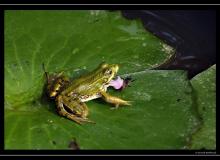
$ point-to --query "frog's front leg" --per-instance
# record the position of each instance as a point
(114, 100)
(79, 118)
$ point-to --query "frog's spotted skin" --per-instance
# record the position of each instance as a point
(70, 96)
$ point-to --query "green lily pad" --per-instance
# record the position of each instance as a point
(204, 85)
(161, 116)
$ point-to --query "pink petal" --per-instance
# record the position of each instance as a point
(117, 84)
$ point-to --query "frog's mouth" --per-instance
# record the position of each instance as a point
(115, 77)
(116, 67)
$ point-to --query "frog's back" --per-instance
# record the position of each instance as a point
(84, 85)
(86, 91)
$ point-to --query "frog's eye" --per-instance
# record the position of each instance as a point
(108, 72)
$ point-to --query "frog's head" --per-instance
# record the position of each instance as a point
(108, 71)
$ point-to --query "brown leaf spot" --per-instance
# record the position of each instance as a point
(73, 145)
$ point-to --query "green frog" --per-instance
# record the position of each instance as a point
(70, 96)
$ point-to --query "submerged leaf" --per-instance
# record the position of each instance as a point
(204, 85)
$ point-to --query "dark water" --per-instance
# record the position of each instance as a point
(192, 33)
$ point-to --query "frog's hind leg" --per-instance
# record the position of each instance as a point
(76, 103)
(63, 112)
(114, 100)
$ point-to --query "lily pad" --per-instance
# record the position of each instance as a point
(204, 85)
(161, 116)
(71, 39)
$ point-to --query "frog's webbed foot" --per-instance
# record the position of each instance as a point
(70, 113)
(114, 100)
